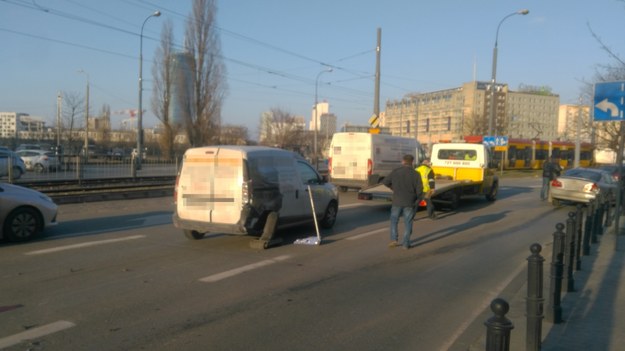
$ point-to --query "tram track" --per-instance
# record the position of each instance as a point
(65, 191)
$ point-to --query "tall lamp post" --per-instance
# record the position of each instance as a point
(493, 110)
(316, 129)
(140, 112)
(86, 146)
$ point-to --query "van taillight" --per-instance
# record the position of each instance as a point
(369, 167)
(329, 165)
(245, 189)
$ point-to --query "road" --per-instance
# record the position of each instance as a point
(118, 276)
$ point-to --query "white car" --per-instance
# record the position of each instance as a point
(8, 159)
(24, 213)
(39, 160)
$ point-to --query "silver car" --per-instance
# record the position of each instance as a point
(10, 160)
(582, 185)
(39, 160)
(24, 213)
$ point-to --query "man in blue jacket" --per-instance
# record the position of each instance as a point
(407, 188)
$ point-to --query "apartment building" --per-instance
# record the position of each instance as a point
(452, 114)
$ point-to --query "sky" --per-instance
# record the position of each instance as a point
(275, 50)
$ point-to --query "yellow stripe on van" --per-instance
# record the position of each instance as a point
(474, 174)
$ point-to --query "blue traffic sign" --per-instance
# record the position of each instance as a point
(609, 101)
(495, 140)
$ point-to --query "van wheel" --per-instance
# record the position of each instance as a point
(329, 217)
(193, 234)
(492, 195)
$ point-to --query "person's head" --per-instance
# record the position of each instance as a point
(426, 162)
(408, 160)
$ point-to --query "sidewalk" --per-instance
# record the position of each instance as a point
(593, 315)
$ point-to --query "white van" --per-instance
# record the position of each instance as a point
(249, 190)
(358, 160)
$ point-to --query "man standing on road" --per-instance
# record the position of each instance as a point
(551, 170)
(427, 179)
(407, 188)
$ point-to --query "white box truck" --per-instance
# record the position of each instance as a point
(359, 160)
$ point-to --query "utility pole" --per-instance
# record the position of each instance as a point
(59, 103)
(376, 101)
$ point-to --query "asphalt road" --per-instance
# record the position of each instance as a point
(118, 276)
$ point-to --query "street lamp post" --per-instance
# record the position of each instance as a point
(494, 75)
(140, 112)
(86, 146)
(315, 155)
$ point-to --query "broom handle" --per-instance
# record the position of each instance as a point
(312, 205)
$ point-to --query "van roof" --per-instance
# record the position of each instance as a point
(245, 149)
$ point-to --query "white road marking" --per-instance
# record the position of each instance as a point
(364, 235)
(35, 333)
(87, 244)
(227, 274)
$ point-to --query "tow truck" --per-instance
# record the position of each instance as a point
(461, 170)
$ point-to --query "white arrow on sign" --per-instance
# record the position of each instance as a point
(605, 105)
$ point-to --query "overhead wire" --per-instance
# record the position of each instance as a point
(280, 73)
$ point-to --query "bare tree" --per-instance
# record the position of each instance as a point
(283, 130)
(73, 110)
(202, 101)
(608, 133)
(162, 90)
(234, 135)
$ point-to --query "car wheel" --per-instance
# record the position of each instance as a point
(17, 173)
(193, 234)
(39, 168)
(329, 217)
(22, 224)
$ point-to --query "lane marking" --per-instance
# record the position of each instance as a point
(77, 246)
(364, 235)
(227, 274)
(35, 333)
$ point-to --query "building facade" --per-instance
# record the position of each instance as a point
(572, 117)
(451, 114)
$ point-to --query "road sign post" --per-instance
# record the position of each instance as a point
(609, 102)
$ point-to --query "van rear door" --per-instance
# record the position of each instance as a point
(210, 186)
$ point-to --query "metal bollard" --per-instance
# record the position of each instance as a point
(569, 253)
(579, 216)
(588, 229)
(498, 327)
(596, 222)
(554, 310)
(534, 305)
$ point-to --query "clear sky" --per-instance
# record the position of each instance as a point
(274, 49)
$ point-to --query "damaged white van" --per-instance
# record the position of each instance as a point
(249, 190)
